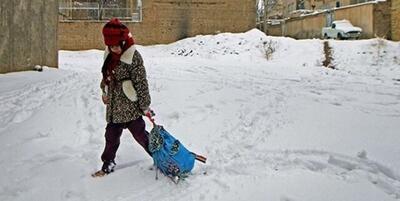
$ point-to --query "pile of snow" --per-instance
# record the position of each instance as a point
(375, 57)
(247, 46)
(283, 129)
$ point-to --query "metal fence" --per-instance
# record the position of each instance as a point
(94, 11)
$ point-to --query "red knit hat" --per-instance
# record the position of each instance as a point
(114, 32)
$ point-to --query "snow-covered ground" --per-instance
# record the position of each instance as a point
(283, 129)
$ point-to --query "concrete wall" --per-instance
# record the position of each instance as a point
(361, 16)
(275, 30)
(166, 21)
(395, 20)
(304, 27)
(28, 34)
(373, 18)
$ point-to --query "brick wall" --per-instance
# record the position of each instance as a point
(395, 20)
(166, 21)
(382, 20)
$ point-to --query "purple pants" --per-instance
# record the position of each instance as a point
(113, 135)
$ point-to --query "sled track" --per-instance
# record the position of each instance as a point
(18, 105)
(345, 167)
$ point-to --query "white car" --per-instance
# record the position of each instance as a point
(341, 29)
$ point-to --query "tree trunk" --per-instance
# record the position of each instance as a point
(101, 5)
(265, 16)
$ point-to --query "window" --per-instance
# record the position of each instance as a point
(300, 5)
(100, 10)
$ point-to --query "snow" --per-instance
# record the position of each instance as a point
(284, 129)
(346, 26)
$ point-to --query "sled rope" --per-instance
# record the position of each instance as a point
(200, 158)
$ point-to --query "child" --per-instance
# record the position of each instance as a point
(125, 92)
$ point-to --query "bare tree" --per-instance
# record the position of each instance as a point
(115, 4)
(265, 6)
(101, 5)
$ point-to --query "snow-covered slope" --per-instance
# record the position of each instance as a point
(282, 129)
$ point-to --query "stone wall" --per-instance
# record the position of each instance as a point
(28, 35)
(166, 21)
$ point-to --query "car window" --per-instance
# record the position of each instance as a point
(344, 24)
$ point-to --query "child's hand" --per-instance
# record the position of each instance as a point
(149, 112)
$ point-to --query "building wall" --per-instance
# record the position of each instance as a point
(360, 16)
(326, 4)
(304, 27)
(291, 5)
(28, 35)
(395, 25)
(373, 18)
(166, 21)
(275, 30)
(278, 9)
(382, 20)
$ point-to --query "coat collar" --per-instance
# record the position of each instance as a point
(126, 57)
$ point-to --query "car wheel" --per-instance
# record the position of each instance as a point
(326, 36)
(339, 36)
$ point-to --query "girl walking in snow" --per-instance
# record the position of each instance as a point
(125, 92)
